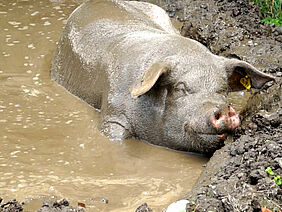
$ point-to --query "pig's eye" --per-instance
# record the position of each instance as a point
(181, 89)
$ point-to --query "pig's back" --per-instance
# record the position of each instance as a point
(91, 40)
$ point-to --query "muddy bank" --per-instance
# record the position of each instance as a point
(47, 206)
(10, 206)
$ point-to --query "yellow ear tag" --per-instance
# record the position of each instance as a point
(246, 82)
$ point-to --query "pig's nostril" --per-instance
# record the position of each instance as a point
(217, 116)
(231, 111)
(230, 114)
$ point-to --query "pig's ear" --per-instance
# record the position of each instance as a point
(149, 78)
(241, 75)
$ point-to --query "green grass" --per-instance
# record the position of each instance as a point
(270, 11)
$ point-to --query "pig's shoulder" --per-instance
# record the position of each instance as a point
(149, 13)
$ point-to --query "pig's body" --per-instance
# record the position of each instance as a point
(127, 59)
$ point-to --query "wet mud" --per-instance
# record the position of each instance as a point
(48, 206)
(59, 205)
(10, 206)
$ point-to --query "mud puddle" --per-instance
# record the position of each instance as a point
(49, 143)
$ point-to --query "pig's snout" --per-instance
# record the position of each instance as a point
(224, 120)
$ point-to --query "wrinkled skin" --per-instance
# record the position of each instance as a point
(127, 60)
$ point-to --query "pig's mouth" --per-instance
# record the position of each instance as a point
(205, 143)
(208, 134)
(221, 136)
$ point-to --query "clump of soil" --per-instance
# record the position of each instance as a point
(11, 206)
(58, 206)
(47, 206)
(144, 208)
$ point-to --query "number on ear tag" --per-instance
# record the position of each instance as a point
(246, 82)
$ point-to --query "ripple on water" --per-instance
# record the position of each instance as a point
(23, 28)
(14, 23)
(69, 121)
(46, 23)
(13, 154)
(31, 46)
(34, 13)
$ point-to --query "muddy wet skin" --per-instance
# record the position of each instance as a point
(50, 147)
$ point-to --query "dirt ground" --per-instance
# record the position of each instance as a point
(47, 206)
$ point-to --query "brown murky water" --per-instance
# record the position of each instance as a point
(49, 142)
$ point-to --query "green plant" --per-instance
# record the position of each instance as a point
(269, 171)
(276, 178)
(270, 11)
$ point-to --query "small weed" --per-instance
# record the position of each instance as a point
(270, 11)
(276, 178)
(269, 171)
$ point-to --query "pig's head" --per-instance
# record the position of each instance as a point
(194, 114)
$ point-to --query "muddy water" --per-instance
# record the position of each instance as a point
(49, 142)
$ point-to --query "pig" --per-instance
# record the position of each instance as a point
(126, 59)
